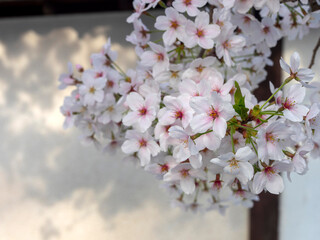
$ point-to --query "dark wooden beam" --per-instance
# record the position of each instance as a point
(264, 216)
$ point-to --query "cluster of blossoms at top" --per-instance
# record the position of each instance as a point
(187, 113)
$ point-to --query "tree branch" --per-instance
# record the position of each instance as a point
(314, 53)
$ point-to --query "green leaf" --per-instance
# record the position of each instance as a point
(239, 104)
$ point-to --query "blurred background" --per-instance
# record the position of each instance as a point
(52, 187)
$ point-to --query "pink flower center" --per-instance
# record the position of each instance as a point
(99, 74)
(143, 111)
(246, 19)
(110, 84)
(266, 30)
(199, 68)
(269, 171)
(184, 173)
(174, 24)
(142, 142)
(226, 45)
(217, 184)
(270, 137)
(213, 114)
(288, 104)
(187, 2)
(160, 57)
(200, 33)
(164, 168)
(179, 115)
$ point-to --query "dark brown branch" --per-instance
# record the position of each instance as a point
(314, 53)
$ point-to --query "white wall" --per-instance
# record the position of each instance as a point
(51, 187)
(300, 207)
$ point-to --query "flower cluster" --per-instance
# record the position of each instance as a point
(187, 113)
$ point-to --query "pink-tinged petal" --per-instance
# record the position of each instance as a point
(148, 59)
(135, 101)
(295, 62)
(305, 74)
(275, 184)
(192, 147)
(100, 83)
(275, 151)
(246, 169)
(192, 11)
(205, 43)
(170, 177)
(145, 122)
(131, 118)
(171, 13)
(179, 6)
(220, 127)
(181, 153)
(200, 104)
(314, 111)
(199, 3)
(202, 20)
(169, 37)
(219, 162)
(201, 123)
(212, 31)
(167, 118)
(187, 185)
(211, 141)
(162, 23)
(196, 161)
(154, 148)
(198, 173)
(299, 164)
(99, 95)
(284, 66)
(244, 154)
(232, 169)
(259, 182)
(296, 93)
(144, 156)
(178, 133)
(130, 146)
(296, 113)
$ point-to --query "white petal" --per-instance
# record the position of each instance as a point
(130, 146)
(187, 185)
(275, 184)
(196, 161)
(220, 127)
(259, 182)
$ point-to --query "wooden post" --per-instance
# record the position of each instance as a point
(264, 216)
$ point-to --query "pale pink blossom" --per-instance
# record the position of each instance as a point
(157, 59)
(237, 164)
(185, 175)
(268, 179)
(211, 113)
(173, 24)
(189, 6)
(142, 111)
(142, 144)
(201, 32)
(302, 75)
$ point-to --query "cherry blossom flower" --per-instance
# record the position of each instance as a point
(302, 75)
(142, 144)
(269, 142)
(92, 90)
(211, 113)
(173, 25)
(201, 32)
(292, 109)
(237, 164)
(189, 6)
(143, 111)
(184, 174)
(268, 179)
(176, 108)
(157, 59)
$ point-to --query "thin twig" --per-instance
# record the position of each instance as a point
(314, 53)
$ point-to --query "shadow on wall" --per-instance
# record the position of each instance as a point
(53, 187)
